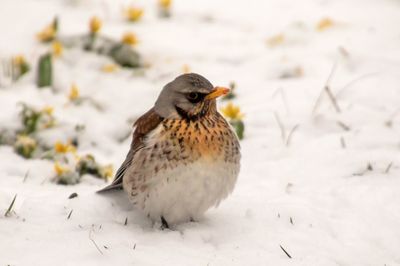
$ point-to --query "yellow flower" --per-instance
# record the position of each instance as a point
(324, 24)
(107, 171)
(133, 13)
(109, 68)
(232, 112)
(129, 38)
(48, 110)
(60, 147)
(48, 33)
(165, 3)
(186, 69)
(60, 169)
(73, 93)
(18, 60)
(95, 24)
(57, 48)
(276, 40)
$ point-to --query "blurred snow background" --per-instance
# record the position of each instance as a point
(321, 183)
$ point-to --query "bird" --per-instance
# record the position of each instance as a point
(184, 156)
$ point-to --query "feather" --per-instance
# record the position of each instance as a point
(145, 124)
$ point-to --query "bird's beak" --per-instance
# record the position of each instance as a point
(218, 91)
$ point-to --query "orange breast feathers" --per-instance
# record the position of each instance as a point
(203, 137)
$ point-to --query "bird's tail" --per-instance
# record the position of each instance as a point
(115, 185)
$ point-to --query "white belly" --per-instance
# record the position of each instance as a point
(186, 192)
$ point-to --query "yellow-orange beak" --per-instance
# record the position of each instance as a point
(217, 92)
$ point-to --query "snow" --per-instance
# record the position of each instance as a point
(313, 197)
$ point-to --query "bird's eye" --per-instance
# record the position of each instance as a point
(194, 97)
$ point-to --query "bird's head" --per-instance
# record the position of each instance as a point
(189, 96)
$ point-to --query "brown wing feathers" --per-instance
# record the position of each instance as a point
(146, 123)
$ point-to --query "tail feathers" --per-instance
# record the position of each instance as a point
(115, 185)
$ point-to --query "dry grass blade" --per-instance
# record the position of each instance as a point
(8, 72)
(369, 168)
(25, 176)
(342, 142)
(282, 93)
(287, 254)
(281, 127)
(69, 215)
(355, 81)
(9, 210)
(388, 167)
(94, 242)
(319, 99)
(332, 98)
(343, 125)
(289, 138)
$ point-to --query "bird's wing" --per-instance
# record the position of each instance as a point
(146, 123)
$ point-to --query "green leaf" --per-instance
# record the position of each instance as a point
(238, 125)
(45, 73)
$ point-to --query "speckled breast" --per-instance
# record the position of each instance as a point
(208, 138)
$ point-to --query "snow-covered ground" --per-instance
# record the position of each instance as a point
(327, 192)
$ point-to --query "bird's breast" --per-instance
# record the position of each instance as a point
(208, 138)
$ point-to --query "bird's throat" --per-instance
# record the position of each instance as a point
(187, 116)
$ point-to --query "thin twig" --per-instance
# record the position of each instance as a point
(343, 125)
(332, 98)
(287, 254)
(8, 212)
(91, 239)
(69, 215)
(388, 167)
(25, 176)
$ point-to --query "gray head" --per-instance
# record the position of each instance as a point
(188, 96)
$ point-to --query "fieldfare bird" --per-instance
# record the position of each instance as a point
(184, 157)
